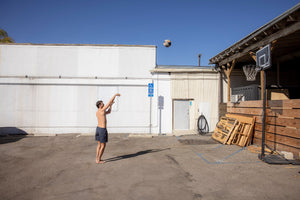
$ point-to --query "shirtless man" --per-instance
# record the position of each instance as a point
(101, 132)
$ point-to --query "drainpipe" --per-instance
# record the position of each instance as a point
(220, 87)
(199, 56)
(220, 92)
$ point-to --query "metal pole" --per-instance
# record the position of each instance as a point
(199, 57)
(263, 118)
(159, 121)
(150, 115)
(150, 125)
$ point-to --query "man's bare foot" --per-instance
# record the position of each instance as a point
(100, 161)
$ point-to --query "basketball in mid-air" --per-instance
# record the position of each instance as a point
(167, 43)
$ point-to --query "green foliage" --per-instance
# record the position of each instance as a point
(4, 38)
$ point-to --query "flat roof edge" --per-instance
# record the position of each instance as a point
(183, 71)
(100, 45)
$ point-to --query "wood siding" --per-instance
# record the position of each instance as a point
(282, 131)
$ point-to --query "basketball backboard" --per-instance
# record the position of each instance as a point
(263, 58)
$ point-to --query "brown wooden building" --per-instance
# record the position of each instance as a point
(282, 81)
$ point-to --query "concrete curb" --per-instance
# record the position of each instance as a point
(141, 135)
(44, 134)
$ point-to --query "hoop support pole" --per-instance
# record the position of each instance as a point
(263, 117)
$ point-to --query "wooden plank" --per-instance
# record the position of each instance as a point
(293, 142)
(292, 103)
(284, 112)
(245, 134)
(251, 134)
(278, 121)
(278, 147)
(246, 104)
(288, 122)
(249, 111)
(230, 132)
(279, 130)
(241, 118)
(258, 119)
(284, 104)
(269, 112)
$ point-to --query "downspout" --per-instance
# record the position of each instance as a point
(199, 56)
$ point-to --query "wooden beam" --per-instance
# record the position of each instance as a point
(232, 66)
(278, 74)
(228, 72)
(228, 89)
(253, 55)
(273, 44)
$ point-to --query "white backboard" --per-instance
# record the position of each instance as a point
(263, 58)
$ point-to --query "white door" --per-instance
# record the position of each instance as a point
(181, 115)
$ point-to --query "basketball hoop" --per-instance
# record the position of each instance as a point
(250, 72)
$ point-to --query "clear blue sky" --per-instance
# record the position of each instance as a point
(194, 26)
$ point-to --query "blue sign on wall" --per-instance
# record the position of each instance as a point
(150, 89)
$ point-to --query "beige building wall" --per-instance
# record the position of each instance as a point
(201, 89)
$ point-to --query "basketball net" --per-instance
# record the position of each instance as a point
(250, 72)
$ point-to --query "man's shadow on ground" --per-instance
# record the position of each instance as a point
(134, 154)
(11, 134)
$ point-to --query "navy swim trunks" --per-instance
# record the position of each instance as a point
(101, 135)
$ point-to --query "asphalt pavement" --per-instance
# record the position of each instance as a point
(138, 168)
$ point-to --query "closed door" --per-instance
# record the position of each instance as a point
(181, 115)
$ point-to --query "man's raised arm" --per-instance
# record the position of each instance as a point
(111, 101)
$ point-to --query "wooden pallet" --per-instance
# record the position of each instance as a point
(224, 129)
(234, 129)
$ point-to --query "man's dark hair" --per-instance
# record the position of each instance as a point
(98, 103)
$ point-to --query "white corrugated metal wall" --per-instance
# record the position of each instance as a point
(53, 88)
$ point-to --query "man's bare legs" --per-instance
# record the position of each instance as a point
(100, 151)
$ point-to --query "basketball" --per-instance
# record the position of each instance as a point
(167, 43)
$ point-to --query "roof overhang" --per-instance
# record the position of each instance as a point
(283, 33)
(178, 70)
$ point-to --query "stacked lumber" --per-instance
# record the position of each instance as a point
(282, 128)
(234, 129)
